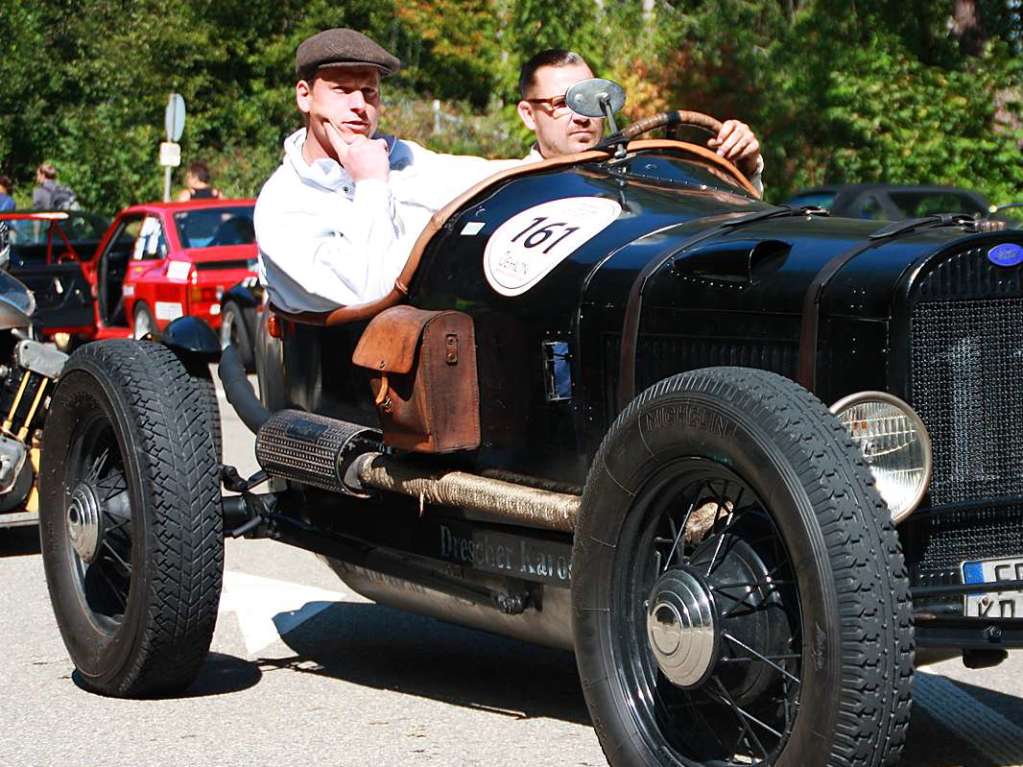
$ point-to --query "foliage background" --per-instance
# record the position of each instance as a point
(911, 91)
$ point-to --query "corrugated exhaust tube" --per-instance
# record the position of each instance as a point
(345, 458)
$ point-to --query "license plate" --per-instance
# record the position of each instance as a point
(993, 604)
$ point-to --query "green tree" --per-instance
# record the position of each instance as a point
(923, 90)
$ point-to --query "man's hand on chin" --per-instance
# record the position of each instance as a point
(736, 142)
(362, 157)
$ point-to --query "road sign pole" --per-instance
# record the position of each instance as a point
(170, 150)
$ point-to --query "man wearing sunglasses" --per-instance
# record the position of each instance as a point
(546, 77)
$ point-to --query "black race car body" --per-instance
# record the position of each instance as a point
(694, 273)
(590, 415)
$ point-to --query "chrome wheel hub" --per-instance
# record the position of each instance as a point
(682, 627)
(83, 522)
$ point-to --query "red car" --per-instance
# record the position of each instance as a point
(155, 263)
(161, 261)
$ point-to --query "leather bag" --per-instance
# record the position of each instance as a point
(423, 378)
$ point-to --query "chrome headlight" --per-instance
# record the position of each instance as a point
(895, 443)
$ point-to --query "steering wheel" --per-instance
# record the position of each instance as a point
(671, 120)
(679, 118)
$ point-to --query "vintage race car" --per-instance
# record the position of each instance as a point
(742, 459)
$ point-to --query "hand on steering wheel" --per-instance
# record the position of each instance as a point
(740, 139)
(736, 142)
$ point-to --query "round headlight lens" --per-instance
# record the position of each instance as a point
(895, 443)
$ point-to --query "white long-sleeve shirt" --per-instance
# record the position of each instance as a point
(326, 241)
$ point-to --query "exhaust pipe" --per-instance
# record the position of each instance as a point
(346, 458)
(513, 502)
(315, 450)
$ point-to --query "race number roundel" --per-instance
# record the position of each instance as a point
(526, 247)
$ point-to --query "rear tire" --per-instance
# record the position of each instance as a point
(130, 519)
(143, 324)
(739, 592)
(235, 330)
(273, 387)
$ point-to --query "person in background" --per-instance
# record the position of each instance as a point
(547, 76)
(50, 195)
(6, 201)
(197, 181)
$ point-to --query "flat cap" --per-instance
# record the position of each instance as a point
(342, 48)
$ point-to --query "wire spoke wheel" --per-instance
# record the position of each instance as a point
(739, 596)
(229, 327)
(723, 688)
(99, 523)
(130, 518)
(144, 324)
(234, 330)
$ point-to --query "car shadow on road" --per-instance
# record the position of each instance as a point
(384, 648)
(955, 723)
(19, 541)
(220, 675)
(388, 649)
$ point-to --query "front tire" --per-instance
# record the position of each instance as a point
(739, 592)
(130, 518)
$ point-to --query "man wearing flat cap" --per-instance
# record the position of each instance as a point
(337, 220)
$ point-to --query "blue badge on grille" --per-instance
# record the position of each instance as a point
(973, 572)
(1006, 254)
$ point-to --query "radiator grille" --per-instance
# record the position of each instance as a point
(943, 540)
(967, 370)
(966, 367)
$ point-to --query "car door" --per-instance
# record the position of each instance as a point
(54, 275)
(109, 268)
(144, 277)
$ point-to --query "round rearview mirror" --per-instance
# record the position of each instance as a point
(595, 98)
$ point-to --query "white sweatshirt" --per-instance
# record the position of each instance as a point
(326, 241)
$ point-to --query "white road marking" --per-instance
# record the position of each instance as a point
(983, 728)
(267, 608)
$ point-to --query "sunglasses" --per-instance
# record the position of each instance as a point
(555, 105)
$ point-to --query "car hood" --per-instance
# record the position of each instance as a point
(669, 234)
(768, 266)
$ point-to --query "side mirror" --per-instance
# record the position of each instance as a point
(597, 98)
(592, 98)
